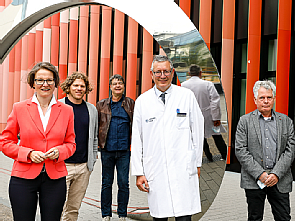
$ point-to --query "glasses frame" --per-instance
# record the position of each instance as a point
(45, 81)
(162, 73)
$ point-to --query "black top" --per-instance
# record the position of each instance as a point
(81, 126)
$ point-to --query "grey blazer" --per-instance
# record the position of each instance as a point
(249, 151)
(93, 132)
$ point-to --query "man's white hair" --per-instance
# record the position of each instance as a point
(268, 85)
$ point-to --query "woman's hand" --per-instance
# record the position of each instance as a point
(52, 154)
(37, 156)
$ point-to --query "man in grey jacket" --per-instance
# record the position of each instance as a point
(81, 164)
(265, 149)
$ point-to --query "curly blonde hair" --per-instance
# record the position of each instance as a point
(65, 86)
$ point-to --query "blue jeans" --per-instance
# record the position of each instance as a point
(110, 160)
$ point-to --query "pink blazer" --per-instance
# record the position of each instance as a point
(25, 121)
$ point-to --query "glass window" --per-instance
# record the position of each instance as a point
(272, 55)
(244, 58)
(243, 97)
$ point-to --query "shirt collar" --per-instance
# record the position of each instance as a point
(111, 100)
(35, 100)
(158, 92)
(273, 115)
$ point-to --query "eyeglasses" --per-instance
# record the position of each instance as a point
(159, 73)
(119, 83)
(42, 81)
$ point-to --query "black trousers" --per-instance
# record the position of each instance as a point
(220, 144)
(24, 195)
(280, 203)
(180, 218)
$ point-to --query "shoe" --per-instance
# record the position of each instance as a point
(122, 218)
(210, 159)
(106, 218)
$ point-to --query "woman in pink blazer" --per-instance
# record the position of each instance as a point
(46, 130)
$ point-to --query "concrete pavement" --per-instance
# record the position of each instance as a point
(211, 177)
(229, 204)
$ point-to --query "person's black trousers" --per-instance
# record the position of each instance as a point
(25, 193)
(280, 203)
(220, 144)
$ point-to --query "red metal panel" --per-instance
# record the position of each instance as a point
(147, 58)
(105, 52)
(63, 47)
(118, 42)
(24, 68)
(132, 59)
(93, 52)
(205, 20)
(185, 5)
(31, 57)
(228, 30)
(73, 41)
(10, 81)
(17, 76)
(283, 56)
(83, 38)
(254, 42)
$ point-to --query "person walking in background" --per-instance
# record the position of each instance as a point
(81, 164)
(264, 147)
(115, 116)
(47, 138)
(167, 143)
(209, 101)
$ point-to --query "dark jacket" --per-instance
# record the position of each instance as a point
(105, 115)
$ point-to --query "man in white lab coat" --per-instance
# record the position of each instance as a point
(166, 146)
(209, 101)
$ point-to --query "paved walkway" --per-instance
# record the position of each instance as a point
(229, 204)
(211, 177)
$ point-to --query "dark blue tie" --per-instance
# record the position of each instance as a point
(163, 97)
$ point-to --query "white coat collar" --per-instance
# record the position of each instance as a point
(158, 92)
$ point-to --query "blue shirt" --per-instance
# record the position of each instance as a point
(118, 137)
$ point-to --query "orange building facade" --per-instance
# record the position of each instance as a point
(249, 40)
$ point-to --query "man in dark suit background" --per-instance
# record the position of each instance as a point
(265, 149)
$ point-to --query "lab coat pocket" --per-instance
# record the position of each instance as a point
(182, 122)
(192, 162)
(148, 167)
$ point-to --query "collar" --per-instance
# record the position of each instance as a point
(158, 92)
(35, 100)
(111, 100)
(273, 115)
(195, 77)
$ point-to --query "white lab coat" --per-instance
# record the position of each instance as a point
(209, 102)
(167, 149)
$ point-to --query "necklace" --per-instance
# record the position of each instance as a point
(44, 106)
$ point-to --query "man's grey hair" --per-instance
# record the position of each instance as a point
(268, 85)
(161, 58)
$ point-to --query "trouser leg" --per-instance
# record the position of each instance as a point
(77, 182)
(280, 203)
(23, 198)
(52, 196)
(184, 218)
(122, 166)
(207, 150)
(160, 219)
(255, 200)
(108, 166)
(221, 145)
